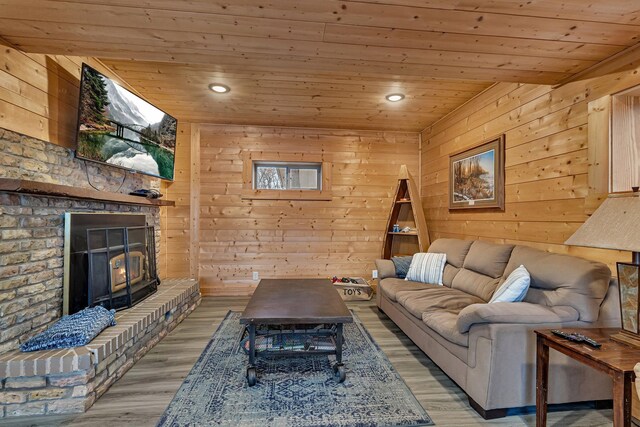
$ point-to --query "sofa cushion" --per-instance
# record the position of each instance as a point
(486, 258)
(445, 324)
(433, 299)
(475, 284)
(423, 336)
(455, 249)
(563, 280)
(449, 274)
(391, 286)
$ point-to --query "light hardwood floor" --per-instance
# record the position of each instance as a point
(142, 395)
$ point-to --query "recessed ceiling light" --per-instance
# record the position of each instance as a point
(395, 97)
(219, 88)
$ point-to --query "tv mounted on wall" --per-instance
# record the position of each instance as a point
(119, 128)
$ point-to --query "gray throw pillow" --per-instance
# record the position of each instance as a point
(402, 264)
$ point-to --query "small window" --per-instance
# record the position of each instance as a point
(287, 176)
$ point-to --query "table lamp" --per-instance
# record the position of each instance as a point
(616, 225)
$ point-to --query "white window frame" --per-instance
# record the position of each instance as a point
(288, 166)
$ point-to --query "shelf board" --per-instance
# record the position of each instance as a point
(35, 188)
(403, 201)
(413, 233)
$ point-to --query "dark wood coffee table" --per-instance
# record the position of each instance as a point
(296, 307)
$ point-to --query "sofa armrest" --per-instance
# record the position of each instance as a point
(386, 268)
(502, 368)
(513, 312)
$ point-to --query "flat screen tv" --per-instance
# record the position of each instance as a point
(119, 128)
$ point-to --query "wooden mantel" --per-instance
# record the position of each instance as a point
(21, 186)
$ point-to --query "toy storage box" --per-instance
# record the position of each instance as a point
(360, 291)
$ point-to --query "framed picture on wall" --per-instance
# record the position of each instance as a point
(476, 177)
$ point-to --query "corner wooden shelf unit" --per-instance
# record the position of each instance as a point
(35, 188)
(406, 211)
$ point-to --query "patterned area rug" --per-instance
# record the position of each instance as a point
(293, 391)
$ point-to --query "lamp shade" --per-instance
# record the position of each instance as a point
(614, 225)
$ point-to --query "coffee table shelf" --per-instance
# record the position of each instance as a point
(277, 340)
(304, 309)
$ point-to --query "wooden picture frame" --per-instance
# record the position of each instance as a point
(476, 177)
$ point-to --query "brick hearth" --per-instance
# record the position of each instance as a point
(70, 380)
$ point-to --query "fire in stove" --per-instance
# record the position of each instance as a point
(118, 271)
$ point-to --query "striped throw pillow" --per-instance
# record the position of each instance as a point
(515, 288)
(427, 268)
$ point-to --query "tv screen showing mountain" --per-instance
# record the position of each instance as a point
(118, 127)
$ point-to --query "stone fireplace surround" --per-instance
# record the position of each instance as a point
(31, 284)
(32, 229)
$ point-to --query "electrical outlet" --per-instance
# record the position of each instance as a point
(256, 275)
(374, 274)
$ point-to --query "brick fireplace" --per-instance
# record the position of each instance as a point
(32, 230)
(32, 258)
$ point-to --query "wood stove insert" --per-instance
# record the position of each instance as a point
(110, 260)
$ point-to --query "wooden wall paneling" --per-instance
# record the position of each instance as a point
(288, 237)
(556, 162)
(39, 93)
(625, 142)
(176, 231)
(194, 206)
(39, 98)
(416, 210)
(599, 145)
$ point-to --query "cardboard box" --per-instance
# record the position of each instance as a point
(360, 291)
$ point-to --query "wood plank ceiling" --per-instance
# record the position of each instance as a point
(325, 63)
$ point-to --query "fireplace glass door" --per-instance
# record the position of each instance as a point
(121, 265)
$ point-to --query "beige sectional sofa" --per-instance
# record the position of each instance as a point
(489, 349)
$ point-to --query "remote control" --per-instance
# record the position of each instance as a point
(589, 341)
(564, 335)
(579, 338)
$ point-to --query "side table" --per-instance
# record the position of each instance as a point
(613, 358)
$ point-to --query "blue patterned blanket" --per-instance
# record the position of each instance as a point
(72, 331)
